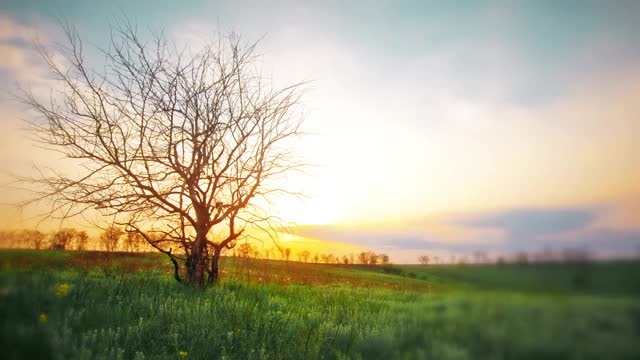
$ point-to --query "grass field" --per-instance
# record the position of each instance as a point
(74, 305)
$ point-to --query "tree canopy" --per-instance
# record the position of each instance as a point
(181, 147)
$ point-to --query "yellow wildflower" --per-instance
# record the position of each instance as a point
(182, 354)
(43, 317)
(63, 290)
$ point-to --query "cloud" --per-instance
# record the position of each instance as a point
(533, 222)
(12, 30)
(367, 238)
(609, 242)
(21, 65)
(588, 228)
(432, 116)
(494, 232)
(391, 238)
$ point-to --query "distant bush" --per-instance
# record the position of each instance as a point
(391, 269)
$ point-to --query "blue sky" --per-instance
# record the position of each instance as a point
(441, 125)
(555, 44)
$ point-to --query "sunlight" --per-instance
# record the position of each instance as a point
(320, 179)
(308, 211)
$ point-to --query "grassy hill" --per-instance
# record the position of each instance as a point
(91, 305)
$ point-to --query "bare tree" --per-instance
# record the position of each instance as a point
(368, 258)
(522, 257)
(304, 255)
(575, 255)
(110, 237)
(6, 239)
(179, 144)
(245, 250)
(81, 240)
(480, 257)
(133, 241)
(62, 238)
(423, 259)
(328, 258)
(34, 238)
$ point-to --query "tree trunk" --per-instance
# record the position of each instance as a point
(214, 275)
(202, 270)
(196, 263)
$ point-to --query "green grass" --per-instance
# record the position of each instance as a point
(115, 311)
(606, 278)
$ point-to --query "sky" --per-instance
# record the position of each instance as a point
(438, 127)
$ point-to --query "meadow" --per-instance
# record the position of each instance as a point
(94, 305)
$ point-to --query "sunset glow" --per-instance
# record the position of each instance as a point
(430, 129)
(299, 179)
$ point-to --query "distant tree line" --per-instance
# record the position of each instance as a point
(247, 250)
(113, 239)
(569, 255)
(110, 239)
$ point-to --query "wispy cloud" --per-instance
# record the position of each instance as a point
(529, 223)
(20, 66)
(522, 229)
(20, 63)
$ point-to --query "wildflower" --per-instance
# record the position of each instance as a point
(43, 317)
(182, 354)
(63, 290)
